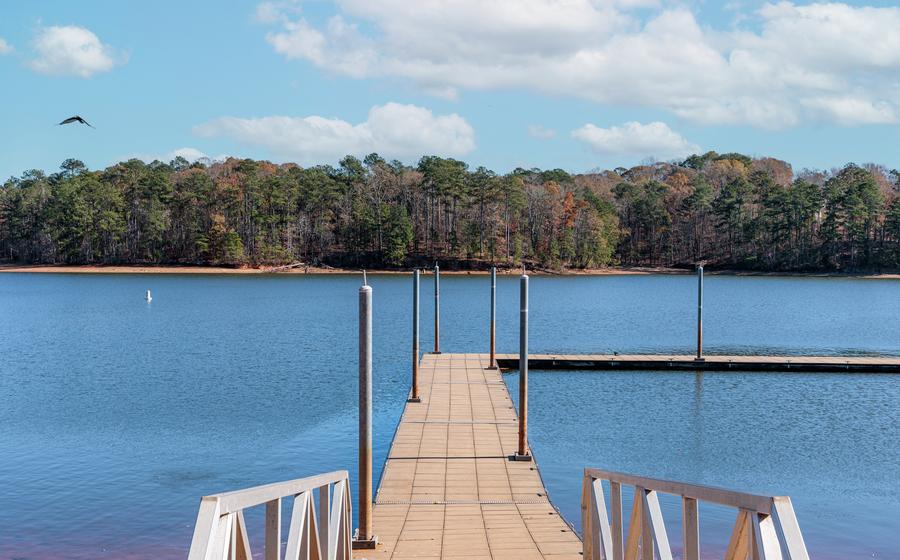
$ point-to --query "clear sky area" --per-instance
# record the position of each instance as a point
(576, 84)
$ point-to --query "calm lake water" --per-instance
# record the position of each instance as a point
(117, 415)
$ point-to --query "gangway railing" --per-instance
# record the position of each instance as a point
(765, 526)
(318, 530)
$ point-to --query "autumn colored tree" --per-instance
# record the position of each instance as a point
(723, 210)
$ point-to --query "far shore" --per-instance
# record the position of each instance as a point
(313, 270)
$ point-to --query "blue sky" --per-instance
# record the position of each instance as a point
(576, 84)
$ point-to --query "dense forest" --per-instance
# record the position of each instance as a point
(722, 210)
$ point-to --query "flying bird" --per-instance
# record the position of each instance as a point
(75, 119)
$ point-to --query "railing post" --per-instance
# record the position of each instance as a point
(493, 327)
(646, 528)
(414, 393)
(522, 453)
(615, 502)
(690, 527)
(699, 314)
(437, 309)
(273, 530)
(324, 519)
(587, 539)
(364, 537)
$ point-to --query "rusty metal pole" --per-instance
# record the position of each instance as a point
(414, 393)
(437, 309)
(493, 335)
(364, 537)
(699, 314)
(522, 453)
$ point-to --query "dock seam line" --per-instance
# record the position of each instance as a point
(448, 458)
(461, 502)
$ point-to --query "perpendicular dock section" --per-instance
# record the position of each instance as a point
(678, 362)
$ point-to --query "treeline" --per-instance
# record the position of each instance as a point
(724, 210)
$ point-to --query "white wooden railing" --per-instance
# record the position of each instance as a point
(221, 534)
(765, 527)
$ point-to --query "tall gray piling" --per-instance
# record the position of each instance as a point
(364, 537)
(522, 451)
(493, 327)
(699, 313)
(414, 392)
(437, 309)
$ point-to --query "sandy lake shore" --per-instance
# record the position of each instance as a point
(174, 269)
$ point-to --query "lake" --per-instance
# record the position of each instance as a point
(116, 415)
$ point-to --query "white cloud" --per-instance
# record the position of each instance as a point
(267, 12)
(275, 11)
(5, 48)
(852, 110)
(192, 155)
(302, 41)
(785, 65)
(71, 51)
(393, 130)
(540, 132)
(636, 140)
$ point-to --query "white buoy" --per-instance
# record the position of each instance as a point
(148, 297)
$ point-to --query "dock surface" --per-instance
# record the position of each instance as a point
(833, 364)
(449, 490)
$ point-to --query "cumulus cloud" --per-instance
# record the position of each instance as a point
(852, 110)
(636, 140)
(192, 155)
(5, 48)
(267, 12)
(540, 132)
(393, 130)
(302, 41)
(71, 51)
(785, 64)
(274, 11)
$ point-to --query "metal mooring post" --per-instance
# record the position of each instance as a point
(493, 335)
(414, 392)
(522, 452)
(699, 314)
(364, 537)
(437, 309)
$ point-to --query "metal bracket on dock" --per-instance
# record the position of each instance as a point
(517, 457)
(368, 544)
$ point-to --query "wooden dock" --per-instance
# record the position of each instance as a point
(449, 490)
(688, 362)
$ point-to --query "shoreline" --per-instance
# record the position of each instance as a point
(624, 271)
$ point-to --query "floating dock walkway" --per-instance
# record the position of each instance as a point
(449, 489)
(682, 362)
